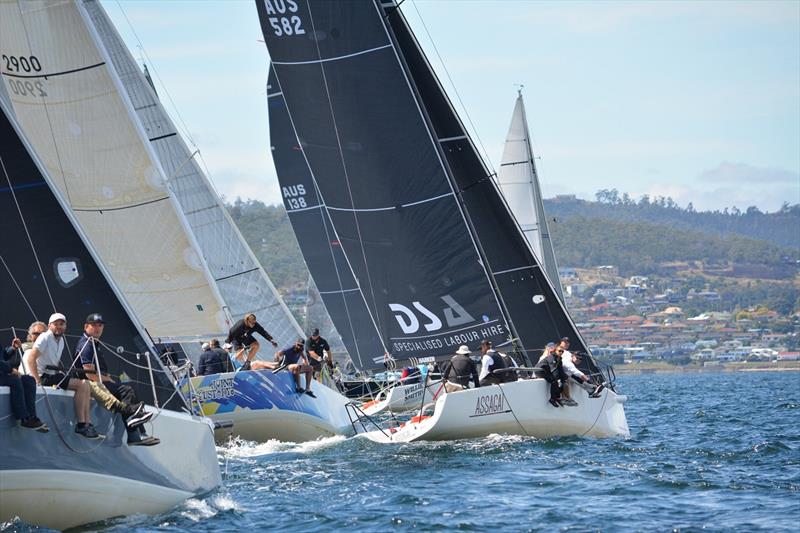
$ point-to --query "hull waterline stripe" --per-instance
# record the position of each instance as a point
(54, 74)
(318, 61)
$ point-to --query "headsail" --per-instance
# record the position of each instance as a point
(241, 280)
(316, 235)
(46, 266)
(70, 105)
(380, 177)
(520, 185)
(436, 251)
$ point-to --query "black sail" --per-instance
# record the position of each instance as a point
(536, 314)
(381, 176)
(315, 233)
(46, 267)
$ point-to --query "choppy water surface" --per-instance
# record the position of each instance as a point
(710, 451)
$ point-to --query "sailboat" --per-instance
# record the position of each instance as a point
(59, 480)
(435, 252)
(141, 200)
(519, 183)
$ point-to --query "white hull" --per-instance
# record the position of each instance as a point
(403, 398)
(517, 408)
(45, 483)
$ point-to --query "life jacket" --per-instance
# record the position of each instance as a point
(460, 370)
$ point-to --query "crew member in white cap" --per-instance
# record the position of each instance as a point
(46, 368)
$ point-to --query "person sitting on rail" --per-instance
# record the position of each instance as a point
(89, 355)
(22, 387)
(459, 370)
(491, 361)
(549, 368)
(241, 336)
(295, 362)
(43, 362)
(570, 370)
(410, 375)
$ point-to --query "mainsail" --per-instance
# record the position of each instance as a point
(438, 256)
(46, 266)
(70, 105)
(520, 185)
(242, 282)
(321, 248)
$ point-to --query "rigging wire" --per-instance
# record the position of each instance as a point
(455, 89)
(30, 242)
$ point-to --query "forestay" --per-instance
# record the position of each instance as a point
(380, 174)
(520, 185)
(318, 241)
(71, 109)
(242, 282)
(533, 310)
(45, 266)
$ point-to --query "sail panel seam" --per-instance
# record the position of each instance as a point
(237, 274)
(337, 58)
(121, 208)
(372, 209)
(54, 74)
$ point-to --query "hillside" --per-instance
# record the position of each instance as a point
(585, 234)
(781, 228)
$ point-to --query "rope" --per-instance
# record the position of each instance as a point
(30, 242)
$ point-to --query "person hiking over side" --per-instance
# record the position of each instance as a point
(295, 362)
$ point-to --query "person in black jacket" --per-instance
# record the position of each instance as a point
(549, 368)
(460, 368)
(23, 388)
(214, 360)
(241, 336)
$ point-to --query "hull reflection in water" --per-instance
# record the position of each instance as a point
(265, 406)
(516, 408)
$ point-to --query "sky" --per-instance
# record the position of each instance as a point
(699, 101)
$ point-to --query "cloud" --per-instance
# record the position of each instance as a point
(742, 173)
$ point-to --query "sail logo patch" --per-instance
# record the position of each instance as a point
(409, 320)
(218, 389)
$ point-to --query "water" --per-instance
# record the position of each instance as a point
(715, 452)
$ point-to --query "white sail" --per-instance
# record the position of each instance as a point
(69, 104)
(520, 185)
(242, 282)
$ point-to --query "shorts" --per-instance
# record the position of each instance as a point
(59, 379)
(239, 345)
(316, 365)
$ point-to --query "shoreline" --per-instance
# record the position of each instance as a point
(663, 368)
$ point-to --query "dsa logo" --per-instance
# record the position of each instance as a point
(409, 319)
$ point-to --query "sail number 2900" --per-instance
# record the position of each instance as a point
(283, 23)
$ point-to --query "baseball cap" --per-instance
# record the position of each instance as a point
(564, 339)
(551, 345)
(315, 332)
(95, 317)
(56, 316)
(300, 340)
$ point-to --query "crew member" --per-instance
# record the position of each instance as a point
(296, 363)
(318, 351)
(241, 336)
(89, 354)
(491, 361)
(460, 369)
